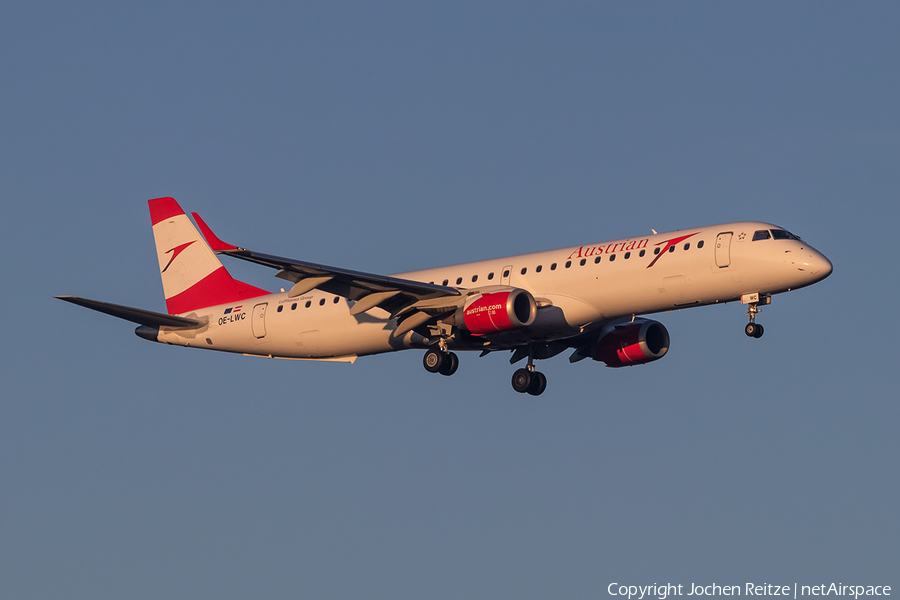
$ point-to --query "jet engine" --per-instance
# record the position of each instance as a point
(635, 343)
(501, 310)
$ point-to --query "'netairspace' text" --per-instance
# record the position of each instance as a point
(638, 592)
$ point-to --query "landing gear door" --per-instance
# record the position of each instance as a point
(723, 249)
(258, 322)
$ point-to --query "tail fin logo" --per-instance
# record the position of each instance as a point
(175, 252)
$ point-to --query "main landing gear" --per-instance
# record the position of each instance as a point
(532, 382)
(528, 380)
(440, 361)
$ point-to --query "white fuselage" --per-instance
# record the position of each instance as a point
(577, 289)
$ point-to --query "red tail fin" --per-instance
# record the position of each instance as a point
(192, 275)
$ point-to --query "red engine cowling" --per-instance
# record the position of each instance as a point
(498, 311)
(634, 343)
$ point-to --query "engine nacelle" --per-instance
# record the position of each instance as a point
(634, 343)
(503, 310)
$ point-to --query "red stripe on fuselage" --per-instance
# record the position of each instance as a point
(163, 208)
(216, 288)
(669, 244)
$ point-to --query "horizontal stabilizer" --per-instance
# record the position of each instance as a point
(135, 315)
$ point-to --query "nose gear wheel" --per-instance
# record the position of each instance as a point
(754, 330)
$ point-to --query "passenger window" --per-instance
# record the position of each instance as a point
(568, 263)
(643, 252)
(700, 244)
(597, 260)
(538, 268)
(762, 234)
(553, 267)
(506, 273)
(474, 278)
(612, 258)
(627, 255)
(583, 260)
(458, 280)
(308, 303)
(671, 248)
(280, 308)
(337, 299)
(322, 302)
(524, 269)
(490, 275)
(294, 306)
(656, 250)
(687, 246)
(446, 281)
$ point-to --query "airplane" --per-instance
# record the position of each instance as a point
(591, 299)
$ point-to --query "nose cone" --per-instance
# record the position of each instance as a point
(818, 265)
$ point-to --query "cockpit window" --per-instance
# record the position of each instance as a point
(781, 234)
(762, 234)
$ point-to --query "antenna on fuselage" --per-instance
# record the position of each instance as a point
(654, 231)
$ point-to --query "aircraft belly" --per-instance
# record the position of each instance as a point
(334, 334)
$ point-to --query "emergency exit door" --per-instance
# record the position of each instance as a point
(258, 323)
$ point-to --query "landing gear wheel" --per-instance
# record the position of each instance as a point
(521, 380)
(434, 360)
(451, 363)
(538, 384)
(751, 328)
(759, 331)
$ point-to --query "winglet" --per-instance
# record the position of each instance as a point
(212, 239)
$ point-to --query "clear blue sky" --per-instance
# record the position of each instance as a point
(395, 136)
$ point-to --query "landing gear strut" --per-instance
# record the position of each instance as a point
(754, 329)
(440, 361)
(528, 380)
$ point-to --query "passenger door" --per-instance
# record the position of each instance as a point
(723, 249)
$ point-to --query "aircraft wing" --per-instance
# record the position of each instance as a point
(135, 315)
(400, 297)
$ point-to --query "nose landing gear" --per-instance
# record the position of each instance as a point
(754, 329)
